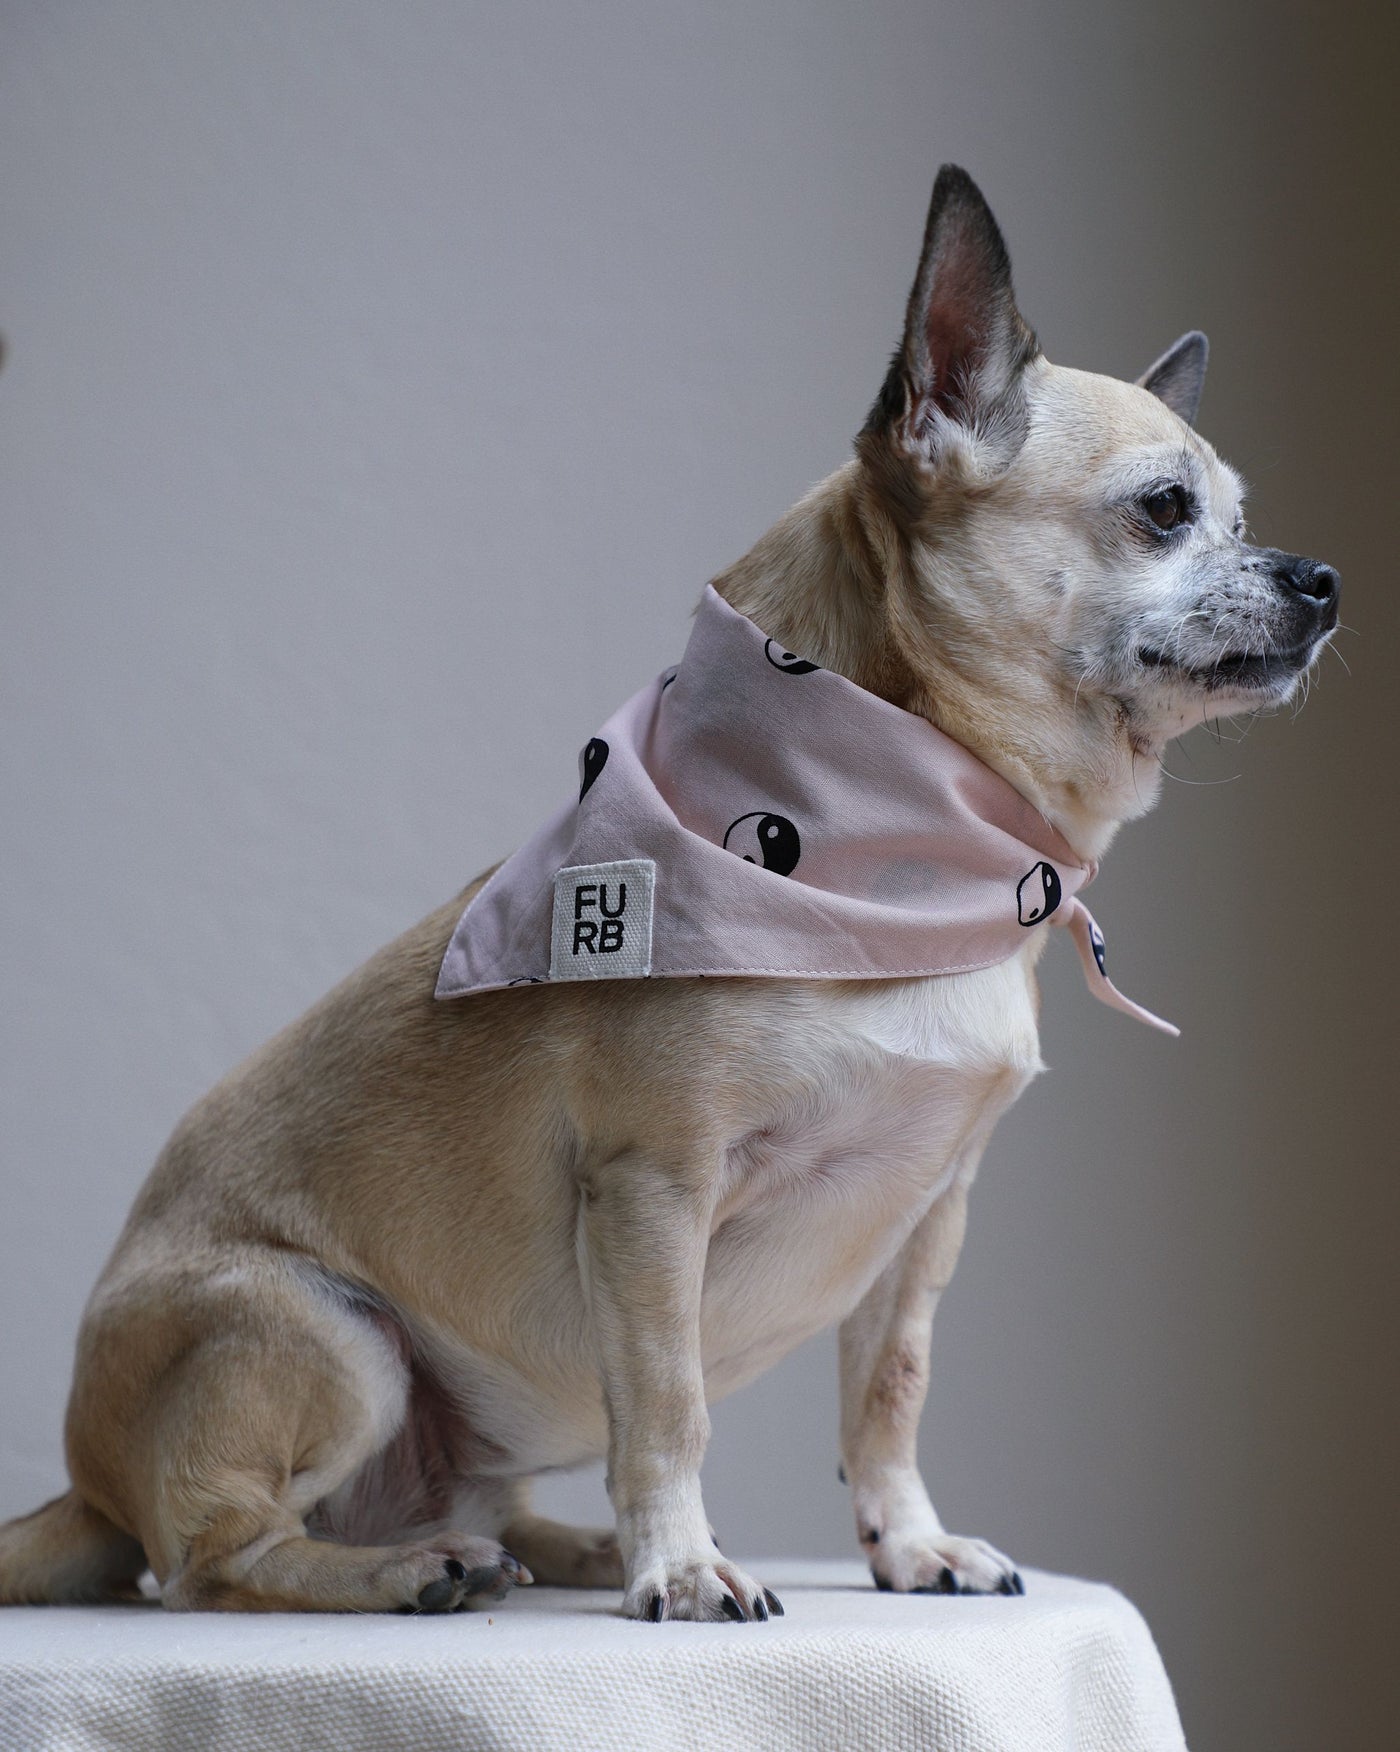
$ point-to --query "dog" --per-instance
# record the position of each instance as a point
(412, 1253)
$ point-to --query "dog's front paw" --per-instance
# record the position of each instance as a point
(942, 1564)
(703, 1591)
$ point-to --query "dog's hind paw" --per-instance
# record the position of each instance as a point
(943, 1565)
(464, 1574)
(566, 1557)
(703, 1592)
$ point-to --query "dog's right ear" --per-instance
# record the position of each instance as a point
(958, 368)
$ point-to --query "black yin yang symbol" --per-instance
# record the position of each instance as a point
(1037, 894)
(1100, 948)
(788, 661)
(769, 840)
(590, 763)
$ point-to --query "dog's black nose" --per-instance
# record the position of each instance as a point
(1316, 580)
(1311, 579)
(1311, 587)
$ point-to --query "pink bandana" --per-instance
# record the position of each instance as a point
(749, 814)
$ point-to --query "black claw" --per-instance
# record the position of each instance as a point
(840, 1474)
(656, 1608)
(775, 1605)
(1017, 1583)
(457, 1570)
(731, 1608)
(947, 1582)
(882, 1582)
(760, 1608)
(1006, 1586)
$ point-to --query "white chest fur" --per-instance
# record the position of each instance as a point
(898, 1084)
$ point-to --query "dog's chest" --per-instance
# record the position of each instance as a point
(899, 1084)
(890, 1078)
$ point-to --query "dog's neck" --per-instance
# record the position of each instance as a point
(836, 580)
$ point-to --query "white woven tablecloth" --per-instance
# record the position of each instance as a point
(1070, 1665)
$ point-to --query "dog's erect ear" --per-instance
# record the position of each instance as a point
(965, 343)
(1179, 375)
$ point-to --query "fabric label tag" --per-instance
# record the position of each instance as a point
(602, 921)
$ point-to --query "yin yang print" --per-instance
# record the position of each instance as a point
(1100, 948)
(590, 763)
(787, 661)
(1038, 894)
(769, 840)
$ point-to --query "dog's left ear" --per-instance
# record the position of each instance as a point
(1179, 375)
(965, 343)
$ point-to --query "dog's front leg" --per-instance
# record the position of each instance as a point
(884, 1379)
(645, 1233)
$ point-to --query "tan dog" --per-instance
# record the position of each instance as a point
(412, 1253)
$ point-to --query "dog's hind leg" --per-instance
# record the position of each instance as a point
(561, 1556)
(65, 1554)
(451, 1572)
(261, 1399)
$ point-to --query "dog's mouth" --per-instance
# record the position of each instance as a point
(1234, 671)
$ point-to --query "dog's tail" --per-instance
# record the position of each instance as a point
(67, 1553)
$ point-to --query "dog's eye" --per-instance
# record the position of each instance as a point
(1168, 508)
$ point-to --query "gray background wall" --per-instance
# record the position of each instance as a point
(384, 382)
